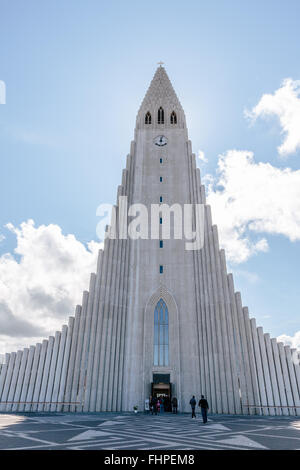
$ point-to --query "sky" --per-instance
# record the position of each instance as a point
(75, 75)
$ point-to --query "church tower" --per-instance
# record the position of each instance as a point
(158, 318)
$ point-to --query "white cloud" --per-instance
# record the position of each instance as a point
(250, 200)
(285, 104)
(41, 283)
(293, 341)
(202, 156)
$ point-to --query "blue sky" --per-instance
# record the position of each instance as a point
(76, 73)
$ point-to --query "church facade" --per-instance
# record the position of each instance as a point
(158, 319)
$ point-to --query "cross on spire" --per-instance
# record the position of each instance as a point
(160, 63)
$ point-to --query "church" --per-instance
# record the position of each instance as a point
(158, 319)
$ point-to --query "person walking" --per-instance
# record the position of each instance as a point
(204, 407)
(193, 404)
(174, 405)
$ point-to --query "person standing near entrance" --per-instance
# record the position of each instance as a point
(162, 404)
(154, 405)
(204, 407)
(158, 405)
(174, 405)
(150, 405)
(193, 404)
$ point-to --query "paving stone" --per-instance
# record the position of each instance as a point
(127, 431)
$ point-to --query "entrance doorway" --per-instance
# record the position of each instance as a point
(162, 388)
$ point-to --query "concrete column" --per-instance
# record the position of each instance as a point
(293, 381)
(4, 369)
(58, 368)
(86, 344)
(295, 359)
(33, 376)
(19, 384)
(208, 318)
(251, 354)
(279, 375)
(91, 355)
(45, 377)
(103, 349)
(272, 373)
(123, 326)
(26, 379)
(51, 372)
(199, 312)
(14, 379)
(114, 373)
(105, 393)
(75, 384)
(95, 371)
(238, 347)
(7, 382)
(65, 363)
(122, 311)
(115, 341)
(259, 368)
(111, 331)
(265, 365)
(246, 359)
(113, 318)
(219, 349)
(125, 344)
(231, 338)
(218, 369)
(123, 377)
(224, 332)
(71, 364)
(2, 378)
(204, 364)
(286, 379)
(110, 318)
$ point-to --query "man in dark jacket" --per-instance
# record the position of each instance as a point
(193, 404)
(204, 407)
(174, 405)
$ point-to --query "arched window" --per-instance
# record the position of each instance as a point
(148, 118)
(160, 116)
(161, 334)
(173, 118)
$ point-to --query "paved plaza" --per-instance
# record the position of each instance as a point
(113, 431)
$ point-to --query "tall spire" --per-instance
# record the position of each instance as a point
(160, 94)
(161, 90)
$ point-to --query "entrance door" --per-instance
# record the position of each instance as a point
(163, 390)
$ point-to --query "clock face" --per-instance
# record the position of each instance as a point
(160, 140)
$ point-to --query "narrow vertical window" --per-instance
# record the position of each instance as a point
(173, 118)
(148, 118)
(160, 116)
(161, 244)
(161, 334)
(160, 160)
(160, 220)
(161, 269)
(160, 179)
(160, 199)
